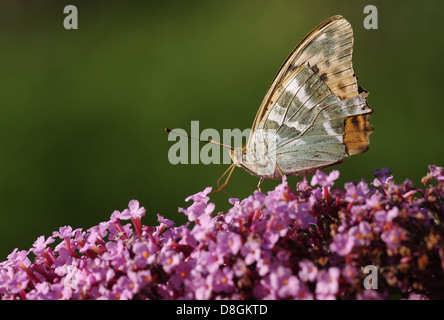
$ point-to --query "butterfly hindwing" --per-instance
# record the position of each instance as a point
(309, 125)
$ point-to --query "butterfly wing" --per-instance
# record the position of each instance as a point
(314, 103)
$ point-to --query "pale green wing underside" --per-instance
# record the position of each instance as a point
(308, 121)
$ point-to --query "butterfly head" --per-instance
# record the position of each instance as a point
(238, 155)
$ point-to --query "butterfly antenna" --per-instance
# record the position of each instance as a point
(206, 141)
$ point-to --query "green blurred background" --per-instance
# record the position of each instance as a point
(83, 111)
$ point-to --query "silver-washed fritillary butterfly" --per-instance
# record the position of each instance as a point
(314, 114)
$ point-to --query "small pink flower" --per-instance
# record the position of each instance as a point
(324, 179)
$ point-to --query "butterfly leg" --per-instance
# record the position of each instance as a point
(280, 171)
(259, 184)
(230, 170)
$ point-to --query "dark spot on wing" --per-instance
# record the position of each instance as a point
(315, 69)
(291, 67)
(324, 76)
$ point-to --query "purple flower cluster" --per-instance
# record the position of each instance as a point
(313, 242)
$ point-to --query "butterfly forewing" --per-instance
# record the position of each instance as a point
(319, 44)
(319, 114)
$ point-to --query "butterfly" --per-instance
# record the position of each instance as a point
(314, 114)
